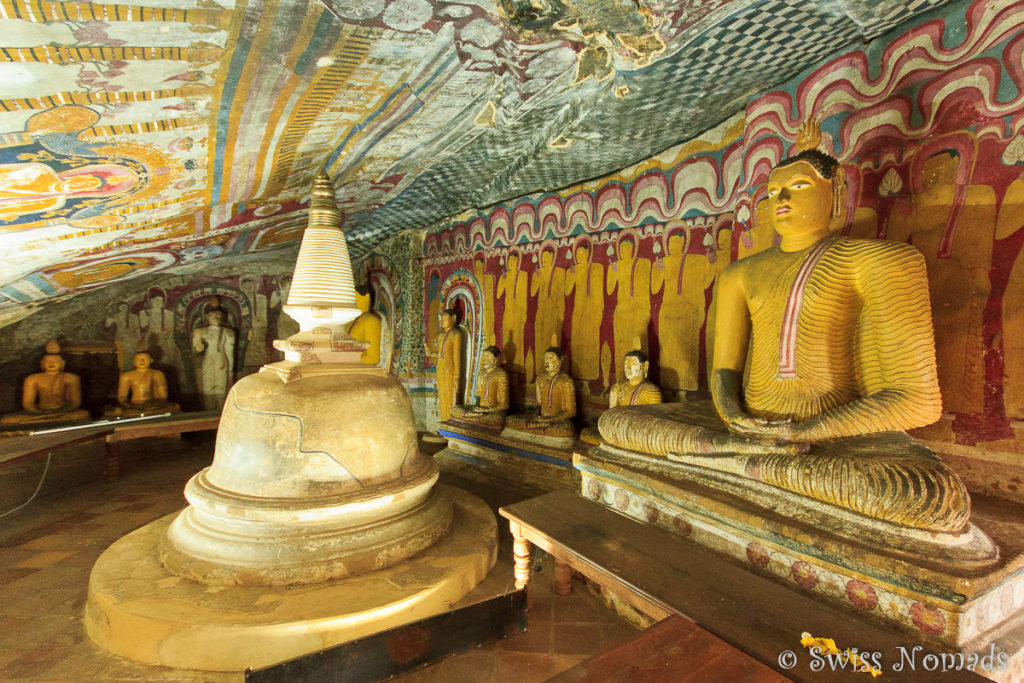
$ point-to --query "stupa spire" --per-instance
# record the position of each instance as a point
(323, 271)
(322, 298)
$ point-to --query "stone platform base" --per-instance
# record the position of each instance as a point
(522, 466)
(958, 610)
(136, 608)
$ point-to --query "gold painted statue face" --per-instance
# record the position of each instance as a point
(552, 363)
(487, 361)
(447, 322)
(634, 368)
(799, 198)
(214, 318)
(142, 361)
(52, 364)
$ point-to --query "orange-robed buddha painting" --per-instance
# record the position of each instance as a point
(30, 189)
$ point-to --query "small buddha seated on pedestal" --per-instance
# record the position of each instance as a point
(491, 393)
(141, 391)
(556, 395)
(51, 396)
(635, 390)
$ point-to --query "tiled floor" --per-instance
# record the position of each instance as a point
(48, 548)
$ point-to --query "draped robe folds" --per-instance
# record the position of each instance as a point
(448, 347)
(840, 343)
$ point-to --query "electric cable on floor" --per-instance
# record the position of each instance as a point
(46, 469)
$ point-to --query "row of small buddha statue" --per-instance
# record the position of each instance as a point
(54, 396)
(555, 392)
(823, 355)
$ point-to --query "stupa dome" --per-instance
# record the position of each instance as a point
(308, 438)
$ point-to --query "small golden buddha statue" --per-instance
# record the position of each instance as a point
(491, 392)
(141, 391)
(823, 354)
(367, 327)
(556, 395)
(635, 390)
(50, 396)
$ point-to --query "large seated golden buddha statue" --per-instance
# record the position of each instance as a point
(823, 355)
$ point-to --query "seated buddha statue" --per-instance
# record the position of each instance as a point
(50, 396)
(823, 355)
(141, 391)
(367, 327)
(556, 395)
(635, 390)
(491, 392)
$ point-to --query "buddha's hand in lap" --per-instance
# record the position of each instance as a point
(770, 431)
(738, 445)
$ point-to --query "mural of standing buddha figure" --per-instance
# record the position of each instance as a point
(141, 391)
(491, 392)
(50, 396)
(556, 395)
(835, 335)
(448, 360)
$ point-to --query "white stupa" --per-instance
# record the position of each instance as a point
(317, 499)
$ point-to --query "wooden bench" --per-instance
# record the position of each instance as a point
(165, 426)
(664, 575)
(17, 448)
(674, 649)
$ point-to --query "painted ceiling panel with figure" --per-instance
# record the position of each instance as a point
(136, 138)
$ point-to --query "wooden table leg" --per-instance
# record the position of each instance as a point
(112, 465)
(521, 553)
(563, 578)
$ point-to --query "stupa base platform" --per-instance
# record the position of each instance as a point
(934, 598)
(522, 466)
(138, 609)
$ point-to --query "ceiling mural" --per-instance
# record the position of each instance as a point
(138, 137)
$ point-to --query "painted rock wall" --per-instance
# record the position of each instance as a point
(928, 123)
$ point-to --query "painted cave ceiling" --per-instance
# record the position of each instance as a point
(135, 138)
